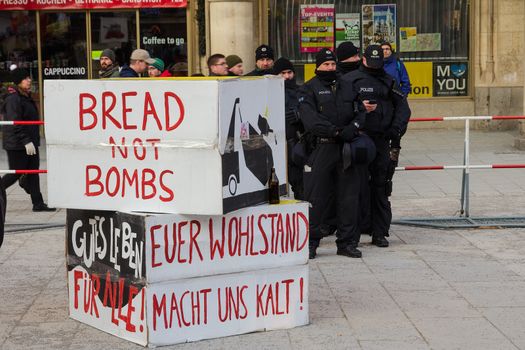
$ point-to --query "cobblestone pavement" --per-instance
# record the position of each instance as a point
(431, 289)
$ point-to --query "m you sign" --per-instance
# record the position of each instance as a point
(174, 146)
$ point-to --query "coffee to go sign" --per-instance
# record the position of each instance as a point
(87, 4)
(174, 146)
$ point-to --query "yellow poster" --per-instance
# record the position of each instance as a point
(309, 71)
(420, 74)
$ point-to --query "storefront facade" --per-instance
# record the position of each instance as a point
(465, 57)
(63, 39)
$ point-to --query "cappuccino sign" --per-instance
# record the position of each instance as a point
(450, 79)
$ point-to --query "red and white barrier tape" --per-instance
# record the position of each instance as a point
(22, 122)
(455, 167)
(479, 117)
(35, 171)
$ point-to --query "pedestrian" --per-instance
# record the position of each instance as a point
(108, 66)
(217, 65)
(348, 57)
(386, 120)
(294, 128)
(263, 61)
(156, 69)
(235, 66)
(138, 64)
(331, 123)
(396, 69)
(21, 142)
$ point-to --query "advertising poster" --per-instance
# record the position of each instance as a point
(450, 79)
(428, 42)
(347, 28)
(407, 39)
(379, 24)
(420, 74)
(317, 27)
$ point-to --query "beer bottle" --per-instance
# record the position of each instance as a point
(273, 188)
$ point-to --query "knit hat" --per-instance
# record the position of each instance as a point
(323, 56)
(19, 74)
(346, 50)
(263, 51)
(158, 63)
(109, 54)
(233, 60)
(282, 64)
(374, 56)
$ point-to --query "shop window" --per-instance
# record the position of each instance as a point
(431, 37)
(163, 33)
(18, 47)
(112, 30)
(63, 45)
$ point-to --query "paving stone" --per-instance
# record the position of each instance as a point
(462, 333)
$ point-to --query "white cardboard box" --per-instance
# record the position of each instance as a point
(246, 270)
(172, 146)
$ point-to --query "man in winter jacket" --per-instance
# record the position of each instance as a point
(331, 122)
(386, 120)
(108, 66)
(22, 141)
(138, 64)
(396, 69)
(263, 61)
(294, 128)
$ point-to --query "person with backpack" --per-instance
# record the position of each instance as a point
(396, 69)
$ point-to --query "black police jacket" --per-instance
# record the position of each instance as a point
(322, 110)
(392, 113)
(18, 106)
(291, 105)
(259, 72)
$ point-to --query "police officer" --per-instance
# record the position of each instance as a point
(331, 122)
(348, 57)
(263, 61)
(386, 120)
(294, 128)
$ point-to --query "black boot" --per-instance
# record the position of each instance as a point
(349, 251)
(380, 241)
(313, 251)
(42, 207)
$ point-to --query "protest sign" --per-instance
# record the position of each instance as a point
(173, 146)
(158, 279)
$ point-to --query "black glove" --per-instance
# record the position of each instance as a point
(394, 135)
(291, 116)
(350, 132)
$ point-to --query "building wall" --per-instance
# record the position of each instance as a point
(497, 61)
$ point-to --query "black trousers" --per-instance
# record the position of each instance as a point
(325, 181)
(19, 160)
(380, 214)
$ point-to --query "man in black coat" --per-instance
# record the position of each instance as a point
(386, 120)
(22, 141)
(294, 128)
(263, 61)
(331, 121)
(348, 58)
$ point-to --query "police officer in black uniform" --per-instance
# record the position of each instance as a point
(331, 122)
(386, 121)
(263, 61)
(294, 128)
